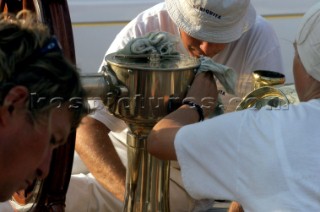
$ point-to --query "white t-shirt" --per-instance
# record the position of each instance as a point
(270, 161)
(257, 49)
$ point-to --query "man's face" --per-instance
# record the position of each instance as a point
(197, 47)
(28, 147)
(303, 81)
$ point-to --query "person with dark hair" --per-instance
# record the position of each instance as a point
(41, 101)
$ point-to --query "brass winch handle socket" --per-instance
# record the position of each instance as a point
(103, 86)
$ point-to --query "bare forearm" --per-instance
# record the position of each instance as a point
(97, 152)
(161, 138)
(165, 135)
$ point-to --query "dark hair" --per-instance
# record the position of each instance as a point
(31, 57)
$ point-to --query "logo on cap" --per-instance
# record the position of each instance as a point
(209, 12)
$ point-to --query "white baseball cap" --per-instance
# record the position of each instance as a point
(308, 41)
(215, 21)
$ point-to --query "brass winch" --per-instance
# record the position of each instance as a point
(141, 89)
(268, 90)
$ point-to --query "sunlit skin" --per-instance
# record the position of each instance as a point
(306, 86)
(26, 146)
(199, 48)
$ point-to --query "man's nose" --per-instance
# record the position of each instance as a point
(44, 167)
(211, 49)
